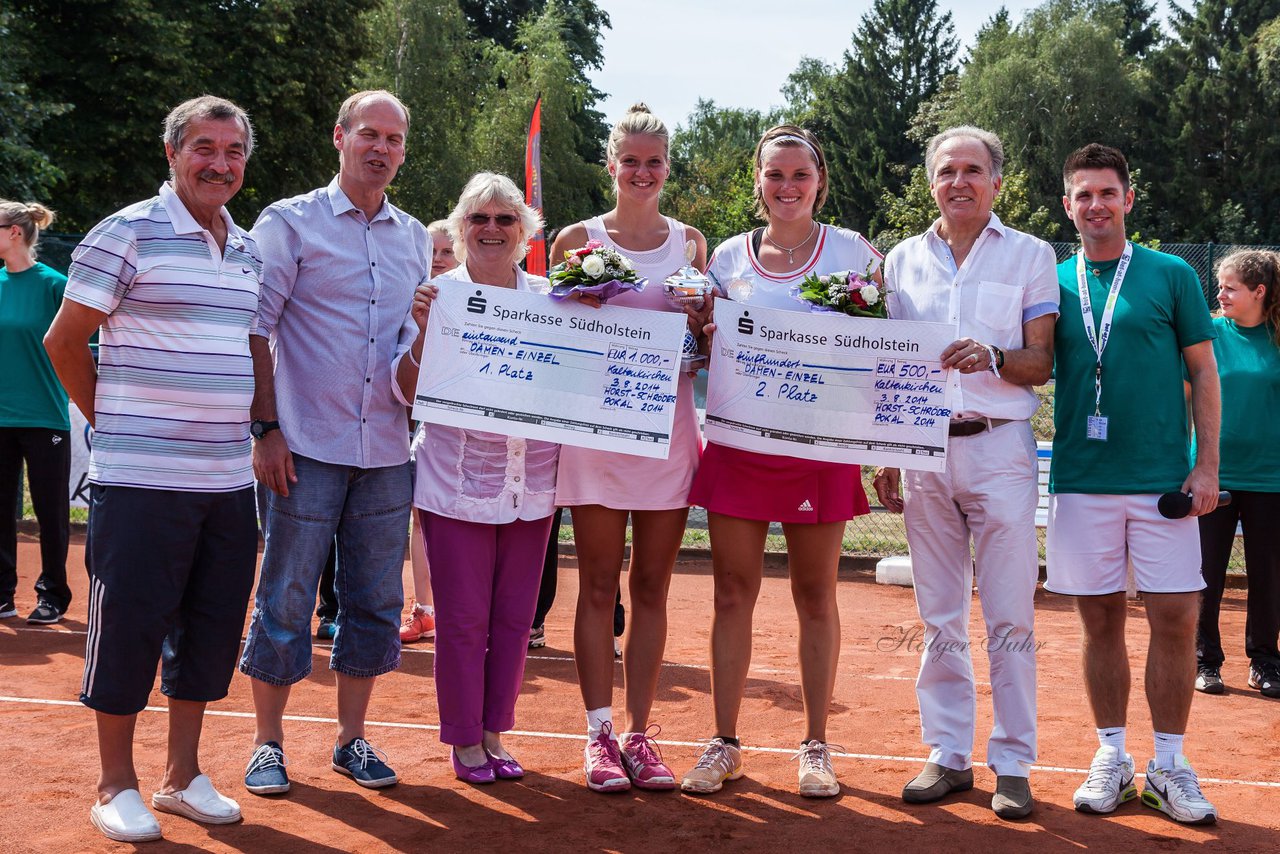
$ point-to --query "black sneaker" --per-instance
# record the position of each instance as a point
(327, 629)
(1209, 680)
(1266, 678)
(364, 763)
(44, 614)
(8, 609)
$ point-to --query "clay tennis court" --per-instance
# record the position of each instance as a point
(49, 754)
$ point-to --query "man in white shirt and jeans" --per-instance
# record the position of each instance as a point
(999, 287)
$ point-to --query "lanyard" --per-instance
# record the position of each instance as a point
(1099, 339)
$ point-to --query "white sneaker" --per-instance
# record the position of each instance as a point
(719, 762)
(1176, 793)
(817, 777)
(1109, 784)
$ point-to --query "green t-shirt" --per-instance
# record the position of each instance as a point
(1161, 310)
(1249, 367)
(30, 394)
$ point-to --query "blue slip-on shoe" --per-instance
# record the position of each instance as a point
(364, 763)
(265, 774)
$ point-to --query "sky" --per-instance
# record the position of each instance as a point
(670, 53)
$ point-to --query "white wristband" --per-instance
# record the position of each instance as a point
(991, 353)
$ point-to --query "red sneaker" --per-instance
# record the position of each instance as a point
(419, 625)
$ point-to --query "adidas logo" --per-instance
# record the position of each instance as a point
(805, 507)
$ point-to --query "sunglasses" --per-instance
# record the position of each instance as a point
(504, 220)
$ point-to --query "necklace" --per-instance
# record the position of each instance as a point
(791, 252)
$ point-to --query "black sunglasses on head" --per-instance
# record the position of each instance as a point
(504, 220)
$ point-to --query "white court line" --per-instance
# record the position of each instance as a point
(768, 671)
(577, 736)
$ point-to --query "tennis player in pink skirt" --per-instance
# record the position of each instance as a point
(744, 491)
(604, 488)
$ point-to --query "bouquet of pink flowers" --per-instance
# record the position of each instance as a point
(595, 270)
(846, 293)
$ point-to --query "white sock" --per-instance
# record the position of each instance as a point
(596, 719)
(1168, 749)
(1112, 737)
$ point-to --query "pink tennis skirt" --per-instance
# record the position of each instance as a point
(773, 488)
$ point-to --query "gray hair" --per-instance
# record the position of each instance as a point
(995, 148)
(356, 101)
(439, 226)
(491, 188)
(205, 107)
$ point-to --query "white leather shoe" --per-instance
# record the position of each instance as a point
(125, 818)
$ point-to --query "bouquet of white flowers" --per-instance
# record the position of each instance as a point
(596, 270)
(847, 293)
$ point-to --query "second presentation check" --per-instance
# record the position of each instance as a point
(830, 387)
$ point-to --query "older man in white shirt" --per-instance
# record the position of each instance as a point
(999, 287)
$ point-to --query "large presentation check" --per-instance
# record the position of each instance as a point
(830, 387)
(522, 364)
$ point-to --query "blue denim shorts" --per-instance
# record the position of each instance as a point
(368, 509)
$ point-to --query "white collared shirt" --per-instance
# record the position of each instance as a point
(475, 476)
(1008, 279)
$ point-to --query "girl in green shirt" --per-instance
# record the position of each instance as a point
(34, 425)
(1247, 348)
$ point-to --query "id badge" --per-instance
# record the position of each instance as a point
(1097, 429)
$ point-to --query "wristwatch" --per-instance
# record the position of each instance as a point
(258, 429)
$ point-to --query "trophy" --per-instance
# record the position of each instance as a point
(688, 287)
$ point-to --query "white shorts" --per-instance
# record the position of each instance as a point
(1092, 539)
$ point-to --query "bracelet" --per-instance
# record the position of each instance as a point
(412, 360)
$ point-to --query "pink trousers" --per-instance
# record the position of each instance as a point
(484, 579)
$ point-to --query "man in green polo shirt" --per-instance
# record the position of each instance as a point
(1130, 318)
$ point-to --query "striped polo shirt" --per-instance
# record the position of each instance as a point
(175, 378)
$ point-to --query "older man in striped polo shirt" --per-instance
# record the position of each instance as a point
(173, 283)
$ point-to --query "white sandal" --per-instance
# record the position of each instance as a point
(199, 801)
(125, 818)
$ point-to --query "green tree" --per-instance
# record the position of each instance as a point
(26, 172)
(123, 64)
(541, 63)
(710, 186)
(579, 25)
(1058, 80)
(423, 51)
(901, 52)
(1223, 163)
(289, 63)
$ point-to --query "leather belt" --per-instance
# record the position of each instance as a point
(976, 426)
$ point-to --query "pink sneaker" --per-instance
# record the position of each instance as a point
(643, 760)
(603, 765)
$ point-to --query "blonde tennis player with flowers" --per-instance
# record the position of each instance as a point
(604, 489)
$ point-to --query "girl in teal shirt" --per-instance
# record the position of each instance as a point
(1247, 348)
(34, 424)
